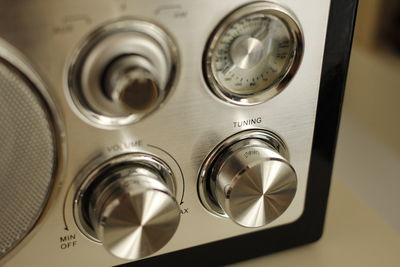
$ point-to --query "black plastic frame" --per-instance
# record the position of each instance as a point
(309, 227)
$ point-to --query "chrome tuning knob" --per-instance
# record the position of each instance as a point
(249, 180)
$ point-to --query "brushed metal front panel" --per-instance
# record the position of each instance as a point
(183, 131)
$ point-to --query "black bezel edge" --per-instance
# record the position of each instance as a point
(309, 227)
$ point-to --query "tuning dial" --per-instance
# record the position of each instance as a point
(250, 181)
(123, 72)
(130, 208)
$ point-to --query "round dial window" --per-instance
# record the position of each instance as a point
(253, 54)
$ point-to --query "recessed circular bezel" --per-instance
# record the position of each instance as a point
(92, 44)
(95, 175)
(267, 8)
(204, 181)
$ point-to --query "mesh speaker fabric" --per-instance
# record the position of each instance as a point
(28, 156)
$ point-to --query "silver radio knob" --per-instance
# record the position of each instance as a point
(131, 210)
(133, 84)
(253, 183)
(123, 72)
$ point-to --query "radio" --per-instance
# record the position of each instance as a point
(185, 132)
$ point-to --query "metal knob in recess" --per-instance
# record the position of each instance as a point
(130, 208)
(131, 82)
(254, 184)
(123, 72)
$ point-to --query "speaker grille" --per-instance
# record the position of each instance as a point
(27, 156)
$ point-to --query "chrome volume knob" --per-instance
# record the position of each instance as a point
(134, 215)
(130, 208)
(250, 181)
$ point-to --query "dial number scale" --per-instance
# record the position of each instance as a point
(248, 60)
(253, 54)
